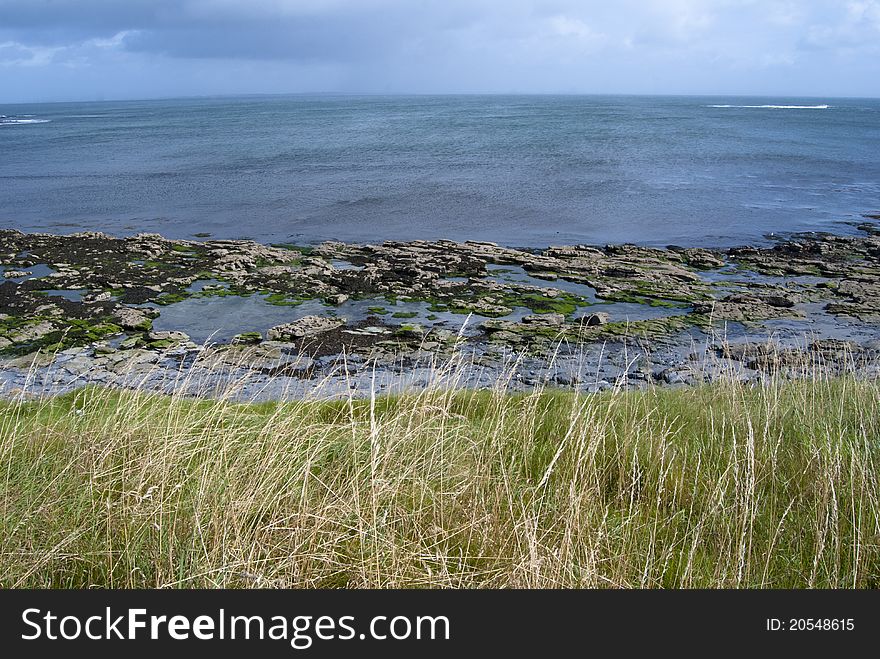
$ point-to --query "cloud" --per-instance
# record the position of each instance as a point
(81, 53)
(858, 30)
(13, 53)
(574, 28)
(458, 45)
(353, 29)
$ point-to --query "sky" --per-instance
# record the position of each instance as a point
(53, 50)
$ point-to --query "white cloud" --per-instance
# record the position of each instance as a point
(13, 53)
(857, 30)
(116, 41)
(575, 28)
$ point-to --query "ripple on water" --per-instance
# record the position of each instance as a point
(633, 311)
(219, 318)
(516, 274)
(71, 294)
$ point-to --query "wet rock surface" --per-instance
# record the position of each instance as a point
(306, 326)
(399, 304)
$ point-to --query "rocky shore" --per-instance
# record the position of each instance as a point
(282, 320)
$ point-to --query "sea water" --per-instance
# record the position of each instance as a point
(518, 170)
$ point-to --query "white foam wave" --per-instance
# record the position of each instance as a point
(775, 107)
(13, 122)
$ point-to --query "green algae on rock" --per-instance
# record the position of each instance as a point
(123, 283)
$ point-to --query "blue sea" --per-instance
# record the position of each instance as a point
(519, 170)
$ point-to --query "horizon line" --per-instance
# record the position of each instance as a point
(429, 94)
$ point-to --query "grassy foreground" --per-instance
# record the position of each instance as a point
(721, 486)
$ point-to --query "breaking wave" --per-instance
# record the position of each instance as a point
(775, 107)
(24, 119)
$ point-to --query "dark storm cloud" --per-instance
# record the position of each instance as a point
(304, 38)
(259, 29)
(54, 22)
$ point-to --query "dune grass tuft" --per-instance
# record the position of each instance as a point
(725, 485)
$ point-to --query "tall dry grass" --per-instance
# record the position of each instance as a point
(725, 485)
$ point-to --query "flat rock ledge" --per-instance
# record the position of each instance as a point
(304, 327)
(88, 304)
(277, 370)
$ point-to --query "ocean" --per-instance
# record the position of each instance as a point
(524, 171)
